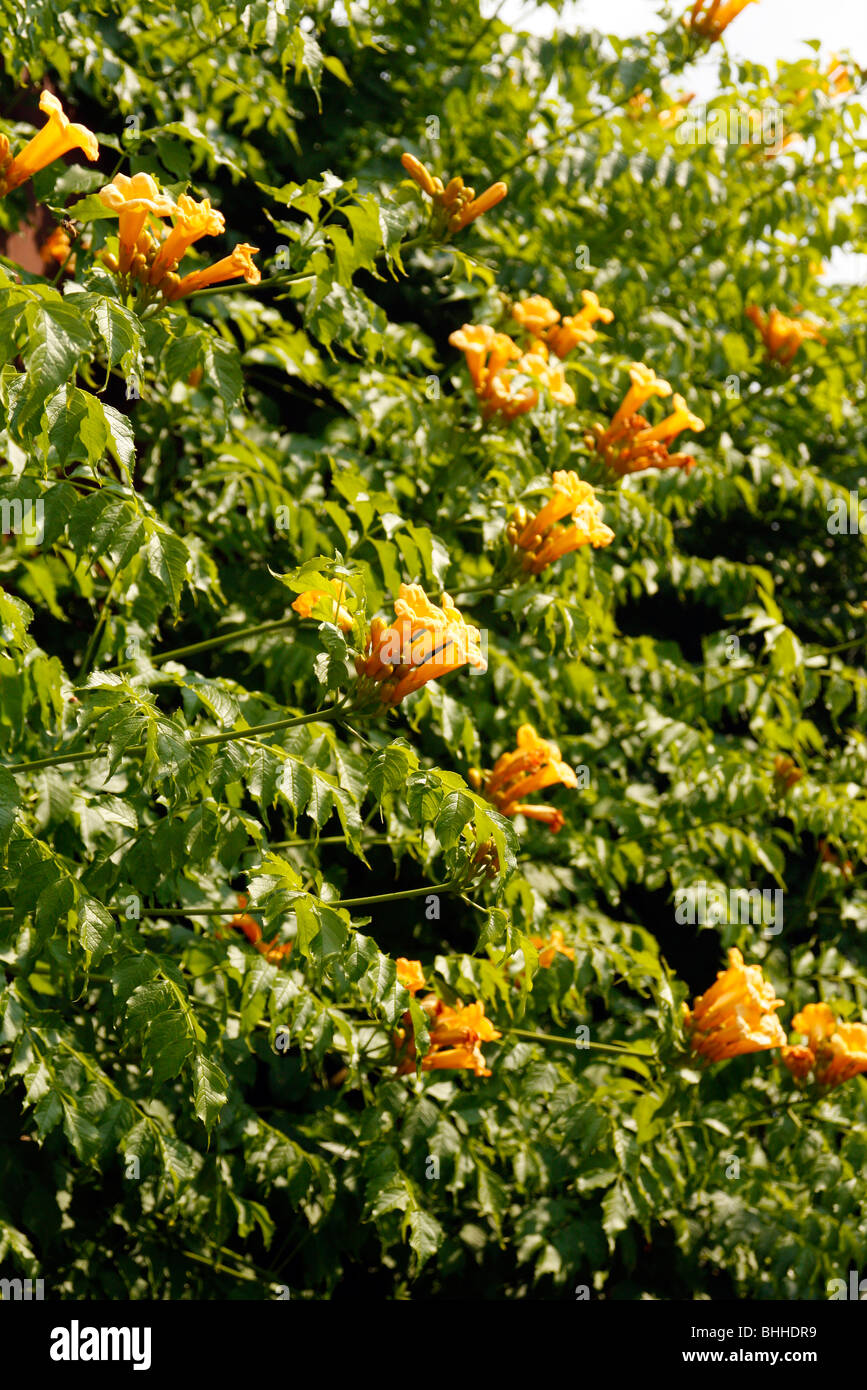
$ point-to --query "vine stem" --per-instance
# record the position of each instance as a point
(448, 887)
(558, 137)
(267, 282)
(310, 843)
(614, 1048)
(211, 642)
(414, 241)
(201, 741)
(231, 735)
(767, 1115)
(203, 48)
(474, 43)
(474, 593)
(843, 647)
(96, 636)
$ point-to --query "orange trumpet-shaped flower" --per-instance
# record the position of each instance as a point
(57, 137)
(834, 1051)
(419, 173)
(838, 79)
(326, 605)
(787, 773)
(630, 444)
(716, 18)
(455, 1038)
(134, 200)
(782, 336)
(513, 390)
(736, 1015)
(237, 263)
(623, 459)
(56, 248)
(473, 209)
(644, 383)
(410, 974)
(273, 951)
(551, 816)
(423, 643)
(500, 388)
(593, 310)
(536, 314)
(799, 1060)
(567, 494)
(486, 353)
(568, 334)
(540, 536)
(242, 921)
(539, 317)
(682, 418)
(451, 1058)
(194, 220)
(554, 946)
(535, 764)
(454, 206)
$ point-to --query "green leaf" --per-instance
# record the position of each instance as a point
(426, 1235)
(96, 929)
(211, 1092)
(9, 800)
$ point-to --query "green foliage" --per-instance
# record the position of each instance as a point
(207, 1119)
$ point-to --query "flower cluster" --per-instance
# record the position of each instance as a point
(503, 389)
(781, 336)
(456, 1034)
(736, 1015)
(543, 540)
(423, 643)
(57, 137)
(834, 1052)
(711, 23)
(149, 255)
(535, 764)
(630, 444)
(546, 328)
(454, 205)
